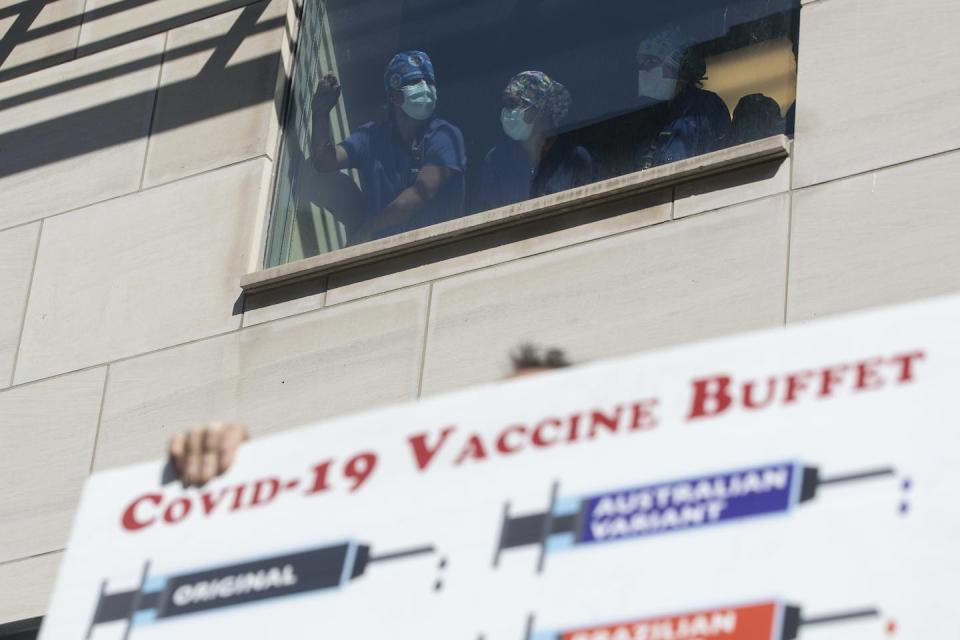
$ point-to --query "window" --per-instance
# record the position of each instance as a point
(514, 99)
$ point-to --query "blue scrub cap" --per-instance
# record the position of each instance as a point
(406, 67)
(675, 49)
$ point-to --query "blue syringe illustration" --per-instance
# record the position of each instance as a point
(675, 505)
(161, 597)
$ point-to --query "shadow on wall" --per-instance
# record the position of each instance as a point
(21, 629)
(26, 29)
(217, 89)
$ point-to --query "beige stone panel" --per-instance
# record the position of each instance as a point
(704, 276)
(151, 270)
(273, 376)
(34, 35)
(46, 443)
(17, 247)
(731, 187)
(107, 21)
(863, 102)
(880, 238)
(26, 585)
(219, 104)
(76, 133)
(540, 236)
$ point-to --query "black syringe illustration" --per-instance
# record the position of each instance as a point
(676, 505)
(162, 597)
(767, 620)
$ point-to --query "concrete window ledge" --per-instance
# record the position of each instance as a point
(765, 150)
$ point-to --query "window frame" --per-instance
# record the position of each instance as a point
(765, 150)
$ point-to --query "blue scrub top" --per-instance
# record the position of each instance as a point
(507, 176)
(697, 123)
(388, 166)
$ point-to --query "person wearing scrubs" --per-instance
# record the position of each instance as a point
(756, 116)
(411, 164)
(531, 161)
(687, 120)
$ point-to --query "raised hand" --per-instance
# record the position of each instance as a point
(328, 93)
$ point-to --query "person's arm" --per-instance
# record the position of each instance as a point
(443, 158)
(205, 452)
(404, 206)
(716, 124)
(486, 195)
(585, 171)
(325, 155)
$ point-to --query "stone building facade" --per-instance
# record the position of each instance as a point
(137, 144)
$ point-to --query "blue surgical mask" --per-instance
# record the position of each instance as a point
(419, 100)
(655, 85)
(514, 124)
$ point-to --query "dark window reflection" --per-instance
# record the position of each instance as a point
(493, 102)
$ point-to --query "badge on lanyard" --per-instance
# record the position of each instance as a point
(416, 153)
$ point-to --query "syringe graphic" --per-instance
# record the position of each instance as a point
(769, 620)
(677, 505)
(162, 597)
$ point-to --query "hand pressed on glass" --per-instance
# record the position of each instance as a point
(328, 93)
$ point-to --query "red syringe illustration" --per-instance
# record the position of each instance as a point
(162, 597)
(767, 620)
(676, 505)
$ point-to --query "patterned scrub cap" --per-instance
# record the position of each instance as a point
(541, 91)
(408, 66)
(676, 50)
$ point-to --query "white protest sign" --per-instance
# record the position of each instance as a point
(796, 483)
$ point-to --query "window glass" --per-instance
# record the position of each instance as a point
(407, 113)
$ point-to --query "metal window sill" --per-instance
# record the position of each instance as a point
(759, 151)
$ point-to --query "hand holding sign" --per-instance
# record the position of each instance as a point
(206, 451)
